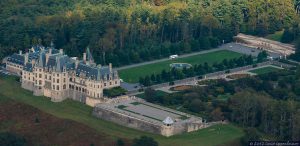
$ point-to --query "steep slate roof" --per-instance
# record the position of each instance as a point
(28, 67)
(58, 62)
(16, 58)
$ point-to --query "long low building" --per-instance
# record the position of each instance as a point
(265, 44)
(49, 72)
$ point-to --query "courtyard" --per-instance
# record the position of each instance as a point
(146, 111)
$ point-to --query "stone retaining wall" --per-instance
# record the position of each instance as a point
(123, 119)
(129, 120)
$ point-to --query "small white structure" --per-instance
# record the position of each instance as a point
(270, 58)
(173, 56)
(168, 121)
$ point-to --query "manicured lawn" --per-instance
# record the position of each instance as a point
(158, 93)
(81, 113)
(264, 70)
(276, 36)
(132, 74)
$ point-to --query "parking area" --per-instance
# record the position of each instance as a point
(235, 47)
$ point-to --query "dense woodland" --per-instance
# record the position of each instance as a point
(269, 102)
(131, 31)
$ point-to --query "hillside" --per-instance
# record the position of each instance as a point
(128, 31)
(39, 128)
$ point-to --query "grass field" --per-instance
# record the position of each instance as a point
(81, 113)
(132, 75)
(264, 70)
(158, 93)
(40, 128)
(276, 36)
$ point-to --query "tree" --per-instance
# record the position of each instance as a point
(153, 79)
(147, 81)
(120, 142)
(196, 106)
(296, 56)
(251, 135)
(150, 95)
(158, 2)
(297, 6)
(144, 141)
(287, 36)
(158, 78)
(217, 114)
(107, 42)
(262, 56)
(10, 139)
(141, 81)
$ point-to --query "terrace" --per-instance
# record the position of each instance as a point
(148, 112)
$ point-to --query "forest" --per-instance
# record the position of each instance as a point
(267, 106)
(130, 31)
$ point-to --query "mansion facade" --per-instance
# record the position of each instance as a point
(49, 72)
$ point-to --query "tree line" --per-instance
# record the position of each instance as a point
(199, 70)
(130, 31)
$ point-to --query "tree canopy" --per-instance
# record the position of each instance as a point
(127, 31)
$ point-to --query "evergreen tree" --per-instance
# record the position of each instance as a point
(147, 81)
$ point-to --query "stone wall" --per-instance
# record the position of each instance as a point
(27, 85)
(126, 119)
(78, 96)
(94, 101)
(123, 119)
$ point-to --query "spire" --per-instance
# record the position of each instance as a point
(52, 44)
(58, 64)
(41, 59)
(89, 55)
(99, 73)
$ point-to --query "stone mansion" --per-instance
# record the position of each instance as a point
(49, 72)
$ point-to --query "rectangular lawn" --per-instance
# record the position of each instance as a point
(132, 75)
(264, 70)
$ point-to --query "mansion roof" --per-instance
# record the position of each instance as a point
(54, 60)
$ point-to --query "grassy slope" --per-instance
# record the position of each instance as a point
(21, 119)
(132, 74)
(264, 70)
(81, 113)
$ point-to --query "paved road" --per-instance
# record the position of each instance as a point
(220, 74)
(235, 47)
(166, 59)
(230, 46)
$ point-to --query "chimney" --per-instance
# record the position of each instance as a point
(84, 57)
(76, 63)
(26, 58)
(47, 57)
(33, 62)
(50, 51)
(110, 67)
(61, 51)
(20, 52)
